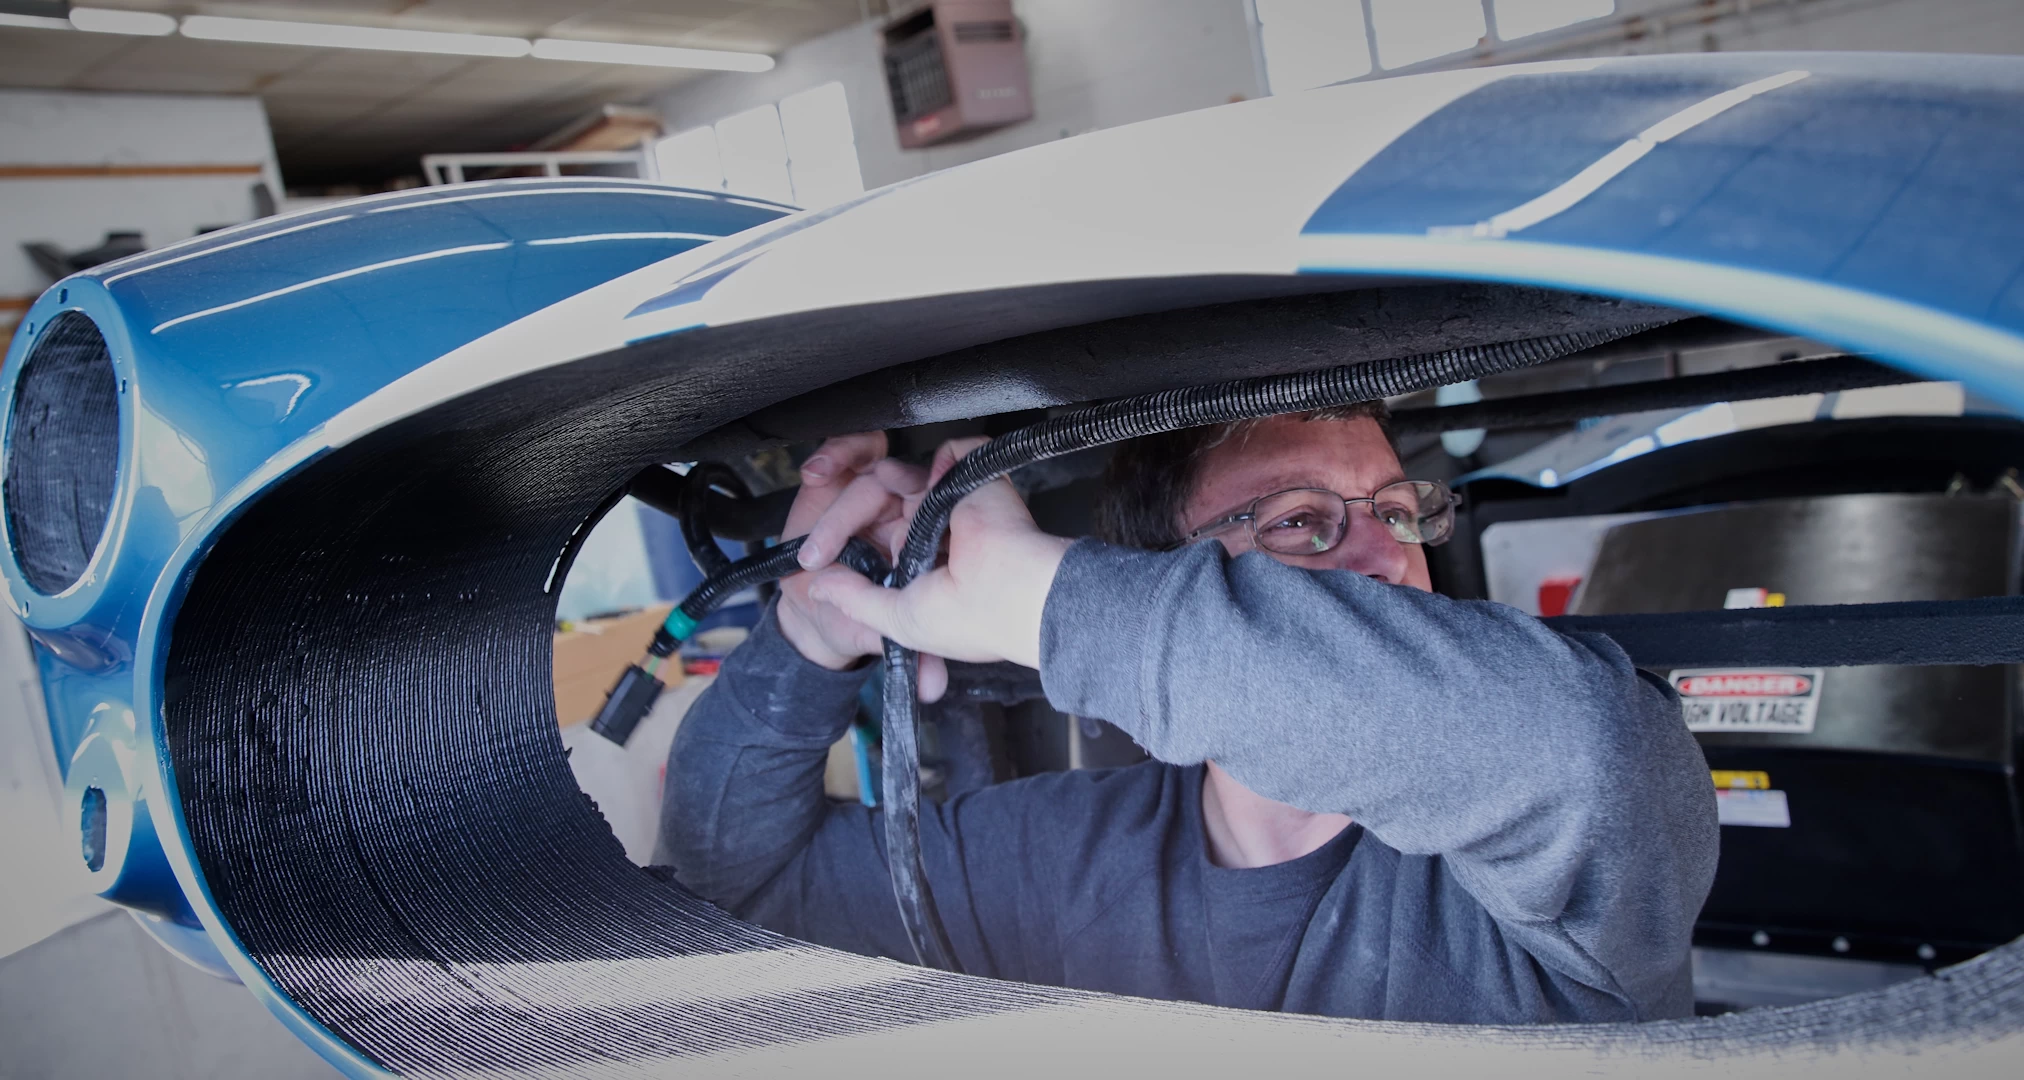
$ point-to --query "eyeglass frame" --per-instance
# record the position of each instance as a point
(1248, 516)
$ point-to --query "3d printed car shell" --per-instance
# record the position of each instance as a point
(305, 671)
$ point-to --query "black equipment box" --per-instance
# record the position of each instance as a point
(1868, 811)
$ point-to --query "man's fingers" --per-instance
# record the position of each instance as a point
(947, 454)
(892, 535)
(854, 595)
(863, 504)
(877, 608)
(901, 478)
(843, 457)
(996, 503)
(934, 680)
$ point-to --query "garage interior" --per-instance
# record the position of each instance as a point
(135, 124)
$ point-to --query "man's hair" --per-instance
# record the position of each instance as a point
(1149, 479)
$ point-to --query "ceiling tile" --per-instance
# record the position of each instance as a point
(369, 64)
(49, 52)
(294, 114)
(120, 79)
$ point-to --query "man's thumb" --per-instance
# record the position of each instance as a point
(854, 595)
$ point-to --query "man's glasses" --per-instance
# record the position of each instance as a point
(1309, 521)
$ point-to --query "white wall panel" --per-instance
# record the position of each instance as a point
(1093, 65)
(1968, 26)
(41, 128)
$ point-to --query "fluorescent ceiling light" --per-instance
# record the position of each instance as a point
(337, 36)
(611, 52)
(389, 39)
(34, 22)
(113, 21)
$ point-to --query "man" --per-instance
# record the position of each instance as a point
(1367, 800)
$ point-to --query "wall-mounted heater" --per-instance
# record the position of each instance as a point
(955, 68)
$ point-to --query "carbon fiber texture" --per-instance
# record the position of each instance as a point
(62, 453)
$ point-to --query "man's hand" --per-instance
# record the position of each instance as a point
(983, 606)
(848, 488)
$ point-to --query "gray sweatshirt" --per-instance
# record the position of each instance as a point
(1535, 828)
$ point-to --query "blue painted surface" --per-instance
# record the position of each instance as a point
(1898, 176)
(240, 343)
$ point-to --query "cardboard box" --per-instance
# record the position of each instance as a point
(590, 656)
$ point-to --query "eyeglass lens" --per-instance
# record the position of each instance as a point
(1310, 521)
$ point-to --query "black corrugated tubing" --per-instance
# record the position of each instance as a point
(695, 525)
(772, 564)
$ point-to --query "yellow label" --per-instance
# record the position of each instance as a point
(1776, 599)
(1752, 781)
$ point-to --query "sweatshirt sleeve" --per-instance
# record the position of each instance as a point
(1556, 781)
(745, 824)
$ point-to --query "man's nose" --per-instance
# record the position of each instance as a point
(1369, 549)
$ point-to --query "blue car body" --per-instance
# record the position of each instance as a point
(1875, 202)
(234, 345)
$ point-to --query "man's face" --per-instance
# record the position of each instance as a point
(1349, 457)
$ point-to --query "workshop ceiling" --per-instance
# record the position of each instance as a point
(343, 115)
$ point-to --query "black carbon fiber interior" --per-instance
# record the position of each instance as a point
(62, 453)
(358, 704)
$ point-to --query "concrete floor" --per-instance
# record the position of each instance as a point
(84, 991)
(101, 999)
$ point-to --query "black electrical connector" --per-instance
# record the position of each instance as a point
(627, 704)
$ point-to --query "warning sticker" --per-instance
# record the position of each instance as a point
(1755, 699)
(1733, 778)
(1743, 806)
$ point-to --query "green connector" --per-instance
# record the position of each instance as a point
(679, 625)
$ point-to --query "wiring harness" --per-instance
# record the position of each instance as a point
(1068, 433)
(639, 686)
